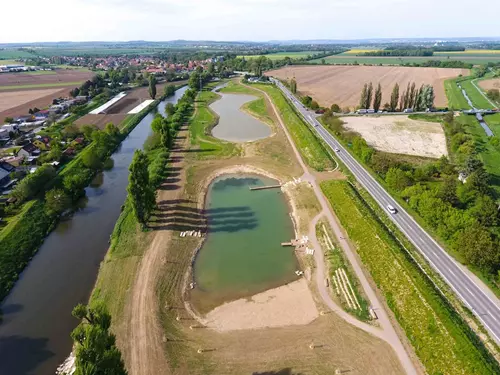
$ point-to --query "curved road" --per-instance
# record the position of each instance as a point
(387, 333)
(484, 305)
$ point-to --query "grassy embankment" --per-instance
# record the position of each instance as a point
(477, 99)
(456, 100)
(310, 147)
(26, 230)
(443, 342)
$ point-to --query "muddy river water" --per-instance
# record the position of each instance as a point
(37, 321)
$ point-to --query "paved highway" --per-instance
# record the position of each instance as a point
(486, 308)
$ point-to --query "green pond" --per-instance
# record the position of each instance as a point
(242, 254)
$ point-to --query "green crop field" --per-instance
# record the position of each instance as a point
(311, 149)
(442, 341)
(96, 51)
(282, 55)
(11, 54)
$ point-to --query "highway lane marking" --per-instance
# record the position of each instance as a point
(375, 186)
(453, 273)
(490, 314)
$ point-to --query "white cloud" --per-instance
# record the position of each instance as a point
(79, 20)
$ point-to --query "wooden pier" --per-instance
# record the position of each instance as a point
(266, 187)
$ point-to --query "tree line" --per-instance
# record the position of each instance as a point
(146, 175)
(464, 214)
(417, 99)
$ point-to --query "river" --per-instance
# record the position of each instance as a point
(35, 333)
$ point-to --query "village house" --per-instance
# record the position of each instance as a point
(29, 150)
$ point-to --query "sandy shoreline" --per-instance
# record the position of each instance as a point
(272, 308)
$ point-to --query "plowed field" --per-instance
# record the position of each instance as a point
(343, 84)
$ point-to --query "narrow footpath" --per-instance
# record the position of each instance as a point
(387, 331)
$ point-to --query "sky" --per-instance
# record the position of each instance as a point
(251, 20)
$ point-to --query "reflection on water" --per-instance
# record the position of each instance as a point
(242, 254)
(35, 339)
(235, 125)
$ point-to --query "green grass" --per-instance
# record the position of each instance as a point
(41, 85)
(310, 147)
(20, 240)
(475, 96)
(493, 122)
(489, 154)
(374, 60)
(456, 100)
(282, 55)
(201, 125)
(442, 341)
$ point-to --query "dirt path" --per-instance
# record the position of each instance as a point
(387, 331)
(144, 330)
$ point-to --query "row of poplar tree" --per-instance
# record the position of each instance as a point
(417, 99)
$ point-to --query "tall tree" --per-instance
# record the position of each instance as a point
(417, 103)
(394, 98)
(293, 86)
(152, 86)
(406, 102)
(369, 95)
(141, 192)
(413, 92)
(377, 100)
(364, 95)
(402, 101)
(95, 346)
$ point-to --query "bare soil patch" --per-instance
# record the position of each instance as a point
(61, 76)
(17, 103)
(343, 84)
(489, 84)
(100, 120)
(11, 99)
(400, 135)
(290, 304)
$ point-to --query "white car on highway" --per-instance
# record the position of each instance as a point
(391, 209)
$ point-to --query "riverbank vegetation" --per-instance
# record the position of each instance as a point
(443, 342)
(42, 197)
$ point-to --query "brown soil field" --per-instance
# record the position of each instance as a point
(100, 120)
(61, 76)
(343, 84)
(400, 135)
(17, 103)
(489, 84)
(11, 99)
(118, 111)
